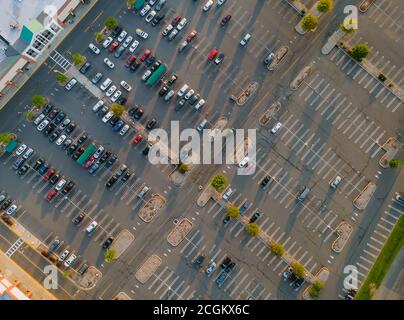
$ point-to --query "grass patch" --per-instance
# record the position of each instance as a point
(383, 262)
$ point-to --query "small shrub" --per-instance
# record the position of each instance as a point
(382, 77)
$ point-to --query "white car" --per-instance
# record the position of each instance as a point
(199, 104)
(42, 125)
(220, 2)
(109, 63)
(134, 46)
(145, 10)
(64, 255)
(93, 48)
(12, 209)
(167, 30)
(207, 5)
(211, 267)
(227, 194)
(39, 119)
(182, 24)
(127, 42)
(146, 75)
(107, 116)
(150, 16)
(276, 128)
(107, 42)
(334, 183)
(141, 33)
(61, 139)
(21, 149)
(243, 162)
(116, 95)
(105, 84)
(98, 105)
(124, 130)
(125, 85)
(111, 90)
(70, 84)
(189, 94)
(122, 36)
(60, 185)
(70, 260)
(152, 2)
(91, 227)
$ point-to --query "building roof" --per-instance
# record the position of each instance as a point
(10, 292)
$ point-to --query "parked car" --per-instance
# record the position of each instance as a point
(21, 149)
(211, 267)
(71, 84)
(97, 77)
(137, 139)
(200, 104)
(70, 261)
(133, 46)
(226, 261)
(119, 51)
(145, 55)
(109, 63)
(51, 194)
(127, 41)
(219, 59)
(265, 181)
(160, 5)
(255, 216)
(145, 10)
(167, 30)
(122, 35)
(64, 255)
(107, 243)
(85, 67)
(12, 209)
(111, 181)
(151, 124)
(245, 39)
(207, 5)
(112, 47)
(107, 42)
(191, 36)
(141, 33)
(225, 20)
(227, 194)
(156, 20)
(212, 55)
(150, 16)
(23, 170)
(94, 48)
(176, 21)
(91, 227)
(116, 31)
(131, 59)
(276, 128)
(182, 24)
(173, 34)
(199, 261)
(54, 245)
(146, 75)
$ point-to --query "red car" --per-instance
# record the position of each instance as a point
(212, 55)
(112, 47)
(225, 20)
(130, 60)
(49, 174)
(192, 35)
(89, 163)
(145, 55)
(51, 194)
(137, 139)
(176, 21)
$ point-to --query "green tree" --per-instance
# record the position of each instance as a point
(219, 182)
(183, 167)
(394, 163)
(109, 255)
(309, 22)
(38, 101)
(277, 249)
(347, 27)
(253, 229)
(98, 36)
(111, 23)
(360, 52)
(315, 288)
(61, 78)
(78, 59)
(29, 115)
(117, 109)
(298, 269)
(233, 211)
(324, 5)
(6, 137)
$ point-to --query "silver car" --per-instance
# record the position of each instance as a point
(42, 125)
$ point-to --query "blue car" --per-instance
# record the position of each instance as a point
(118, 125)
(93, 168)
(244, 207)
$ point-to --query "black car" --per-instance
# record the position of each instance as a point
(146, 150)
(230, 267)
(69, 129)
(38, 163)
(172, 79)
(163, 90)
(150, 60)
(82, 139)
(78, 153)
(122, 100)
(116, 31)
(114, 119)
(225, 263)
(180, 104)
(138, 113)
(43, 168)
(151, 124)
(83, 269)
(127, 175)
(107, 243)
(48, 109)
(265, 181)
(23, 170)
(68, 187)
(226, 220)
(111, 161)
(155, 65)
(132, 111)
(72, 148)
(6, 204)
(67, 143)
(104, 157)
(111, 181)
(49, 129)
(77, 219)
(55, 178)
(52, 115)
(85, 67)
(255, 216)
(135, 65)
(53, 136)
(199, 261)
(54, 245)
(194, 99)
(157, 19)
(103, 111)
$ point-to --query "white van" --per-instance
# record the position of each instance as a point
(143, 192)
(245, 39)
(182, 91)
(202, 125)
(334, 183)
(105, 84)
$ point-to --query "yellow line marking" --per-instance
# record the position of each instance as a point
(92, 23)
